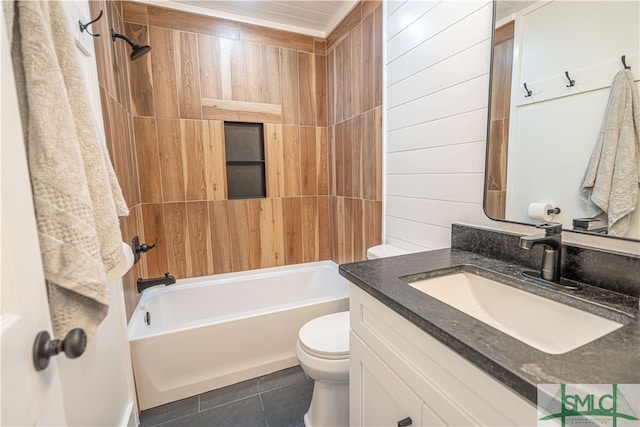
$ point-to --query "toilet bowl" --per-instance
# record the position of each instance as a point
(323, 352)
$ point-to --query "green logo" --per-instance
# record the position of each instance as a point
(587, 404)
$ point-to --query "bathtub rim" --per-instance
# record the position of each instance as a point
(134, 331)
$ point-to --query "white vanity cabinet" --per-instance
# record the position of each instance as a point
(400, 375)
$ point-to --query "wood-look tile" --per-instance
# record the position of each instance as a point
(148, 159)
(220, 236)
(239, 233)
(163, 62)
(349, 228)
(369, 6)
(171, 161)
(154, 234)
(345, 26)
(324, 228)
(308, 161)
(368, 59)
(199, 251)
(240, 111)
(359, 84)
(254, 209)
(339, 150)
(274, 149)
(320, 47)
(321, 90)
(356, 156)
(377, 58)
(291, 160)
(357, 218)
(310, 241)
(369, 223)
(292, 213)
(347, 141)
(289, 86)
(252, 72)
(273, 37)
(322, 160)
(307, 88)
(277, 230)
(339, 84)
(134, 12)
(232, 71)
(184, 21)
(377, 117)
(347, 78)
(377, 219)
(331, 89)
(188, 78)
(368, 156)
(177, 232)
(192, 134)
(133, 166)
(210, 65)
(270, 57)
(333, 228)
(214, 160)
(331, 158)
(340, 230)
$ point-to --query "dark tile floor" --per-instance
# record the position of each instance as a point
(276, 400)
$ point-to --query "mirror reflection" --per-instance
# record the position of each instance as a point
(564, 122)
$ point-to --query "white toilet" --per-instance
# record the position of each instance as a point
(323, 352)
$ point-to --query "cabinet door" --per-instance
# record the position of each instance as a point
(378, 397)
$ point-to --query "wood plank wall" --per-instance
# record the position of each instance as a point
(164, 116)
(354, 97)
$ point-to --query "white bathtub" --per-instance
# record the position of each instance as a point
(209, 332)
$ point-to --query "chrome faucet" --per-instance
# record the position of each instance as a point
(166, 280)
(551, 256)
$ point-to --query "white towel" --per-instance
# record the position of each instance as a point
(610, 185)
(76, 194)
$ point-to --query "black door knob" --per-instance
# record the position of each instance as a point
(73, 345)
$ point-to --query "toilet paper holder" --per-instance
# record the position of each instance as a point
(553, 211)
(139, 248)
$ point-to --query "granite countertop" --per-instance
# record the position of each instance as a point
(611, 359)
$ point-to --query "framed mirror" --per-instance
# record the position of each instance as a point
(552, 70)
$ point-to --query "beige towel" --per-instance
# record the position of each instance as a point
(76, 195)
(610, 185)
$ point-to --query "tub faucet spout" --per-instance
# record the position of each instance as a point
(166, 280)
(552, 241)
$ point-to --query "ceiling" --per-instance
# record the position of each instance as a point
(313, 17)
(506, 8)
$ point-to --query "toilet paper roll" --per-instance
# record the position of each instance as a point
(125, 262)
(540, 211)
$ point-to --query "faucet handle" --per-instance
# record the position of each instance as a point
(551, 228)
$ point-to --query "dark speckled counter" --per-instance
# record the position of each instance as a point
(613, 358)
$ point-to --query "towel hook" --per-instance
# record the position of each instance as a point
(571, 82)
(527, 90)
(624, 62)
(84, 27)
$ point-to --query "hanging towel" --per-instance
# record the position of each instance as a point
(76, 194)
(612, 178)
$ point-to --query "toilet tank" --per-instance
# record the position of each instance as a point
(383, 251)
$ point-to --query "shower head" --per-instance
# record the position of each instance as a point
(136, 50)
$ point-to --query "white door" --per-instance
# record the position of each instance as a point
(28, 397)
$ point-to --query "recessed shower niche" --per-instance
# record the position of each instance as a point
(244, 146)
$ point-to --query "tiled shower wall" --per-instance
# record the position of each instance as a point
(164, 116)
(354, 86)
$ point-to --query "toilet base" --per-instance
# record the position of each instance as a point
(329, 405)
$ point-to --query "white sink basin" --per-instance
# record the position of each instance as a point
(547, 325)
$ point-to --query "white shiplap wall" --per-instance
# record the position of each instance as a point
(436, 96)
(437, 82)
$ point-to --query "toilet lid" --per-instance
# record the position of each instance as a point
(327, 336)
